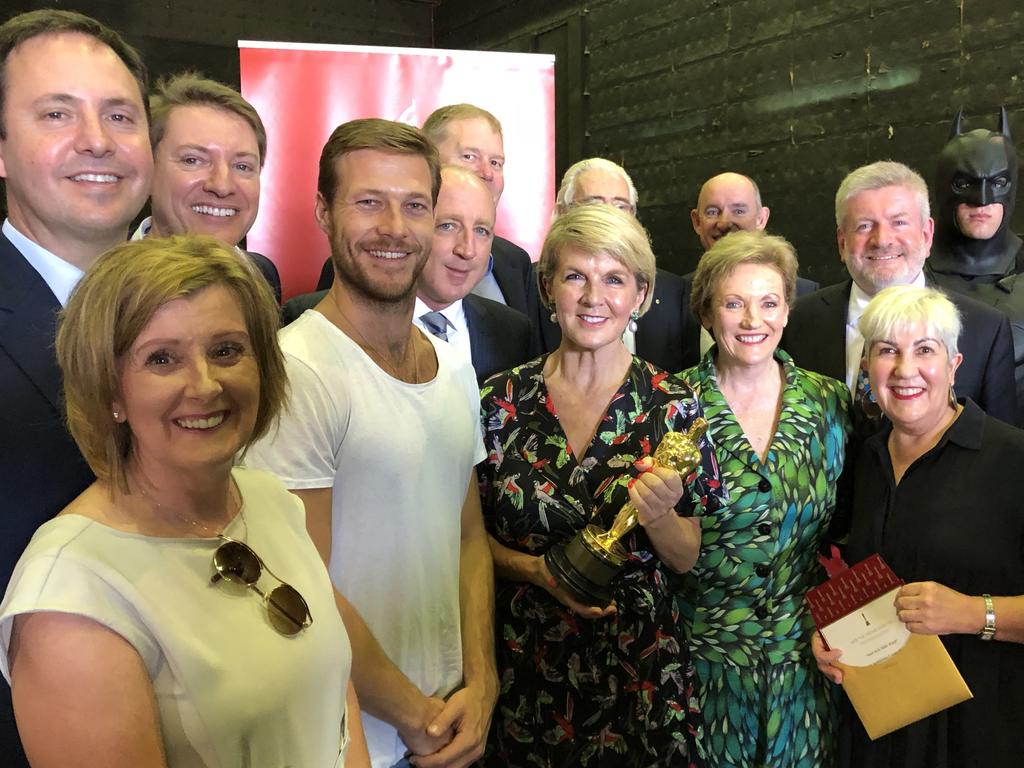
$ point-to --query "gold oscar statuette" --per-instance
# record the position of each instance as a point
(586, 565)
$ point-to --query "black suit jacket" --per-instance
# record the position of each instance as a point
(296, 305)
(41, 469)
(513, 272)
(269, 272)
(499, 337)
(816, 338)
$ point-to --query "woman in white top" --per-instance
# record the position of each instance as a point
(176, 613)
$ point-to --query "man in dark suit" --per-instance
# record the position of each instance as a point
(667, 335)
(884, 232)
(209, 146)
(489, 334)
(467, 135)
(75, 155)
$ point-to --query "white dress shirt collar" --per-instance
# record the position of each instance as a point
(458, 328)
(61, 276)
(854, 341)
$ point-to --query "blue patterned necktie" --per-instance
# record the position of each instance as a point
(865, 397)
(436, 323)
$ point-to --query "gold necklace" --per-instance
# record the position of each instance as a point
(195, 526)
(366, 345)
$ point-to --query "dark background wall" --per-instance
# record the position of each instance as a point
(792, 92)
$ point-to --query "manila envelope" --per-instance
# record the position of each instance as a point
(917, 681)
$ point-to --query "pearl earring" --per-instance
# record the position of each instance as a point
(633, 318)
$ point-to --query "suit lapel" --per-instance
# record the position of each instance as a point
(836, 302)
(479, 345)
(28, 316)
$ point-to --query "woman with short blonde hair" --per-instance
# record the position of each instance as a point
(569, 438)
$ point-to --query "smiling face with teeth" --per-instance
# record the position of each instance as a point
(884, 238)
(748, 315)
(206, 178)
(190, 385)
(593, 295)
(76, 155)
(380, 224)
(910, 375)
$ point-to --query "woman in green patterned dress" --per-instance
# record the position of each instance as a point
(780, 435)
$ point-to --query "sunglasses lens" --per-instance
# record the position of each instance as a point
(287, 611)
(236, 562)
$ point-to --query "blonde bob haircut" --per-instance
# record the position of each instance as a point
(595, 228)
(736, 248)
(899, 307)
(113, 304)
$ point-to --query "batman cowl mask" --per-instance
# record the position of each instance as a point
(978, 168)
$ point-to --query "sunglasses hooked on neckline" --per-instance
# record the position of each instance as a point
(237, 562)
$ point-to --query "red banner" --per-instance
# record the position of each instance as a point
(303, 92)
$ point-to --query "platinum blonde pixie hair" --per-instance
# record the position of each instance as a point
(736, 248)
(898, 307)
(884, 173)
(567, 191)
(596, 228)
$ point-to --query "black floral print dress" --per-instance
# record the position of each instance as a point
(617, 691)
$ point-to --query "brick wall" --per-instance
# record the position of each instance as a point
(792, 92)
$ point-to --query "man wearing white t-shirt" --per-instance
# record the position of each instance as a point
(380, 440)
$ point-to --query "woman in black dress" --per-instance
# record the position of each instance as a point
(939, 494)
(569, 437)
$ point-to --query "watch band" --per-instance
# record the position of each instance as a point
(989, 630)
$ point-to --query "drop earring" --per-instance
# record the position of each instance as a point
(633, 318)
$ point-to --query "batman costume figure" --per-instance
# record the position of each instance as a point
(975, 251)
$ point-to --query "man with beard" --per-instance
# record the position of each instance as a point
(884, 233)
(975, 251)
(380, 440)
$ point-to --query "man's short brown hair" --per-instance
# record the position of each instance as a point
(192, 89)
(382, 135)
(25, 26)
(436, 126)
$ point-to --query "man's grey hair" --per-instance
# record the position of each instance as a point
(567, 191)
(884, 173)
